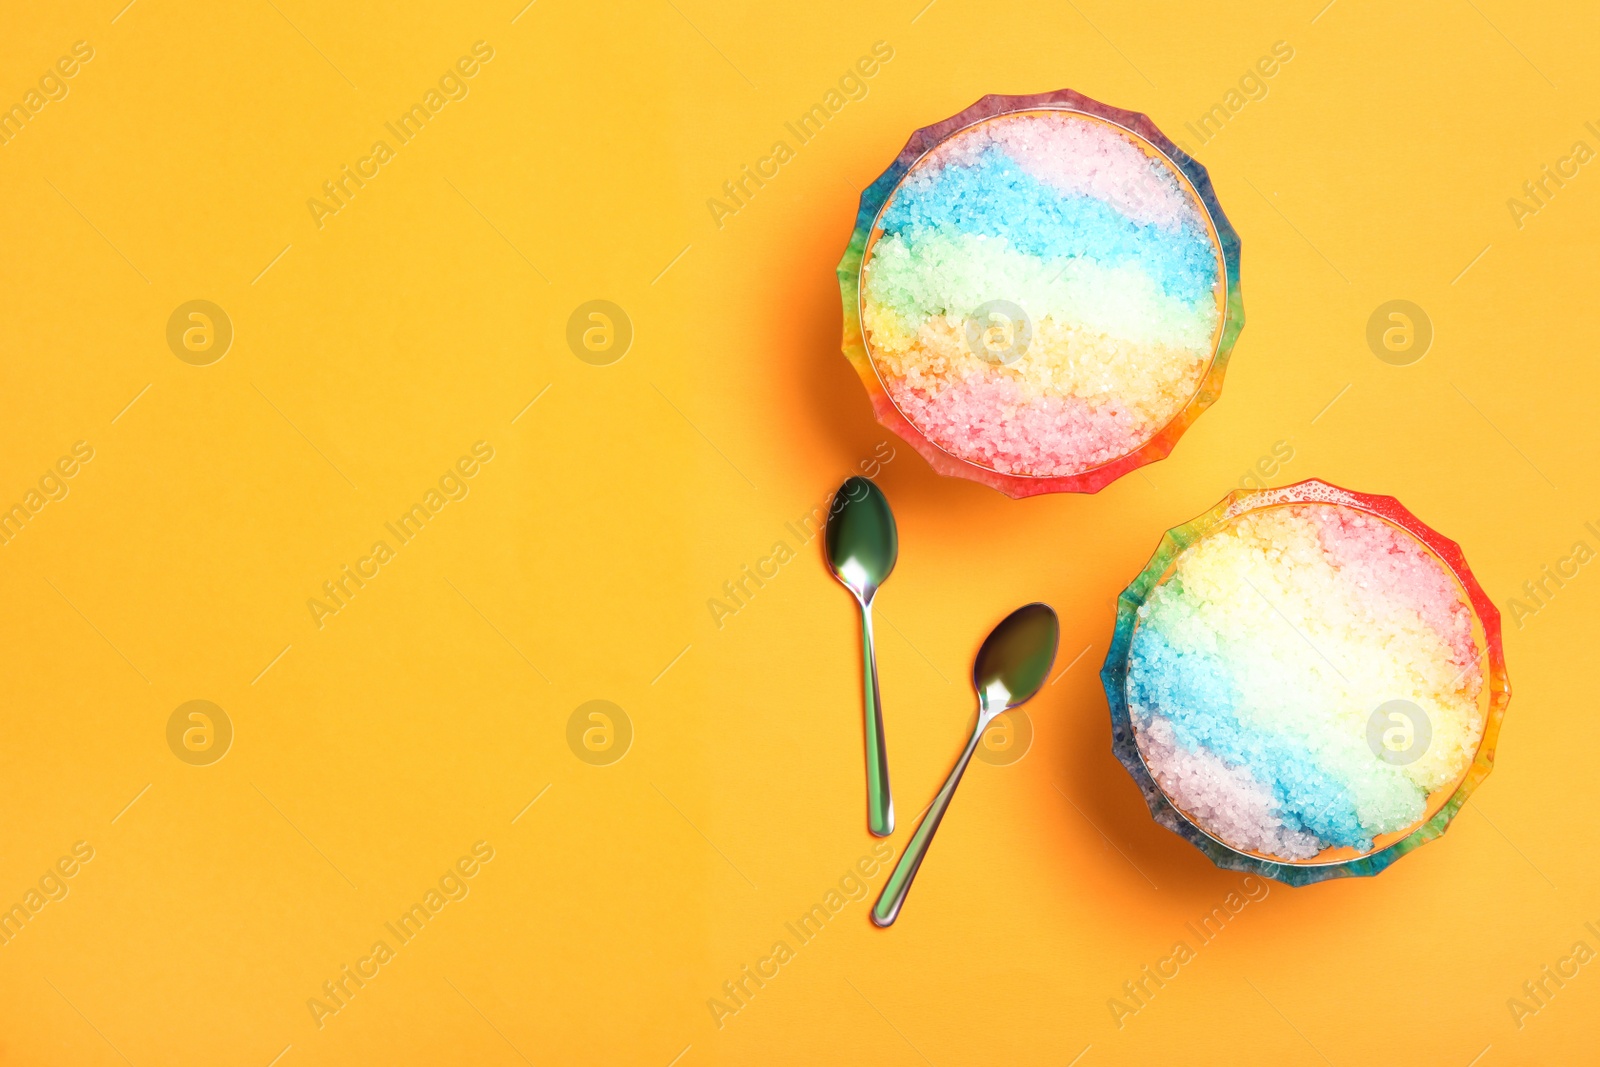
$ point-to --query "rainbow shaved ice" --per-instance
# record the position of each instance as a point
(1256, 666)
(1104, 247)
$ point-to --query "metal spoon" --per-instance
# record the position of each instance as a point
(862, 549)
(1011, 667)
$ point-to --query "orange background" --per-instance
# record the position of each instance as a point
(372, 753)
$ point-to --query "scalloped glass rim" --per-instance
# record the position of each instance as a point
(1114, 677)
(1023, 485)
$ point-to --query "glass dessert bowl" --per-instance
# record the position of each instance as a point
(1041, 293)
(1306, 683)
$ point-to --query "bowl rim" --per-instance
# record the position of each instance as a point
(1114, 672)
(1225, 241)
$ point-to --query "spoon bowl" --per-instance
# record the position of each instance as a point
(1015, 659)
(863, 544)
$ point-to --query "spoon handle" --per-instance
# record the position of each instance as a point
(895, 889)
(880, 803)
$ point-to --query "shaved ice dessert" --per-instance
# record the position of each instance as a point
(1044, 292)
(1308, 676)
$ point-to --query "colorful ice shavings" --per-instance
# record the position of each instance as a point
(1256, 667)
(1106, 265)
